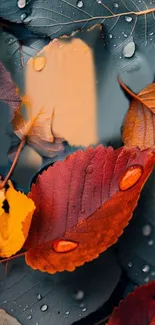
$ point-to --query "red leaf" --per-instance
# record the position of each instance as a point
(8, 90)
(83, 204)
(137, 308)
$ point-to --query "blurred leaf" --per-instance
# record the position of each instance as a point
(20, 289)
(7, 319)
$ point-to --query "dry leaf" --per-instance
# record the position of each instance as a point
(83, 204)
(139, 124)
(16, 211)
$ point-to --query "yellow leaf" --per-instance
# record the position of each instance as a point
(15, 223)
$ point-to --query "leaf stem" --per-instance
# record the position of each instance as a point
(22, 143)
(12, 257)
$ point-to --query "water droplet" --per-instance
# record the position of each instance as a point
(80, 315)
(39, 296)
(21, 3)
(110, 36)
(29, 316)
(153, 273)
(130, 264)
(67, 312)
(79, 295)
(116, 5)
(128, 19)
(5, 301)
(39, 63)
(130, 177)
(44, 307)
(145, 268)
(84, 309)
(37, 323)
(125, 35)
(82, 305)
(63, 246)
(150, 242)
(129, 49)
(12, 310)
(89, 169)
(151, 33)
(23, 16)
(80, 4)
(146, 230)
(99, 1)
(10, 41)
(146, 279)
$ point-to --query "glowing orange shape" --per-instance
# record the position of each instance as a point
(63, 246)
(39, 63)
(131, 177)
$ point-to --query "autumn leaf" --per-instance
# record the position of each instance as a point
(83, 204)
(6, 319)
(139, 124)
(16, 211)
(137, 308)
(8, 90)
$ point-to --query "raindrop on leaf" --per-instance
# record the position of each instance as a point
(79, 4)
(44, 308)
(145, 268)
(146, 230)
(128, 19)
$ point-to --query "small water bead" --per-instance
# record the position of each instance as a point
(146, 230)
(43, 308)
(151, 34)
(67, 312)
(79, 295)
(150, 242)
(39, 296)
(99, 1)
(145, 268)
(82, 305)
(89, 169)
(130, 177)
(116, 5)
(128, 19)
(21, 4)
(23, 16)
(130, 264)
(84, 309)
(110, 36)
(39, 63)
(29, 316)
(146, 279)
(153, 273)
(80, 4)
(125, 35)
(63, 246)
(129, 49)
(80, 315)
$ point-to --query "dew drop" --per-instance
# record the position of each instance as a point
(67, 312)
(82, 305)
(151, 34)
(150, 242)
(63, 246)
(128, 19)
(39, 296)
(146, 230)
(80, 315)
(89, 169)
(21, 3)
(145, 268)
(12, 310)
(110, 36)
(125, 35)
(146, 279)
(153, 273)
(23, 16)
(99, 1)
(84, 309)
(5, 301)
(130, 264)
(80, 4)
(129, 49)
(43, 307)
(39, 63)
(130, 177)
(116, 5)
(29, 316)
(79, 295)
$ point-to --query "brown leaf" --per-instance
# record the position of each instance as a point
(139, 124)
(6, 319)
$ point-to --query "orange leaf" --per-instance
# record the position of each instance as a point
(83, 204)
(15, 220)
(139, 124)
(6, 319)
(137, 308)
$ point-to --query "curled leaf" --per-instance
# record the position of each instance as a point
(16, 211)
(8, 90)
(137, 308)
(83, 204)
(139, 124)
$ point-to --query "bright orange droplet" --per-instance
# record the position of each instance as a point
(39, 63)
(130, 177)
(63, 246)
